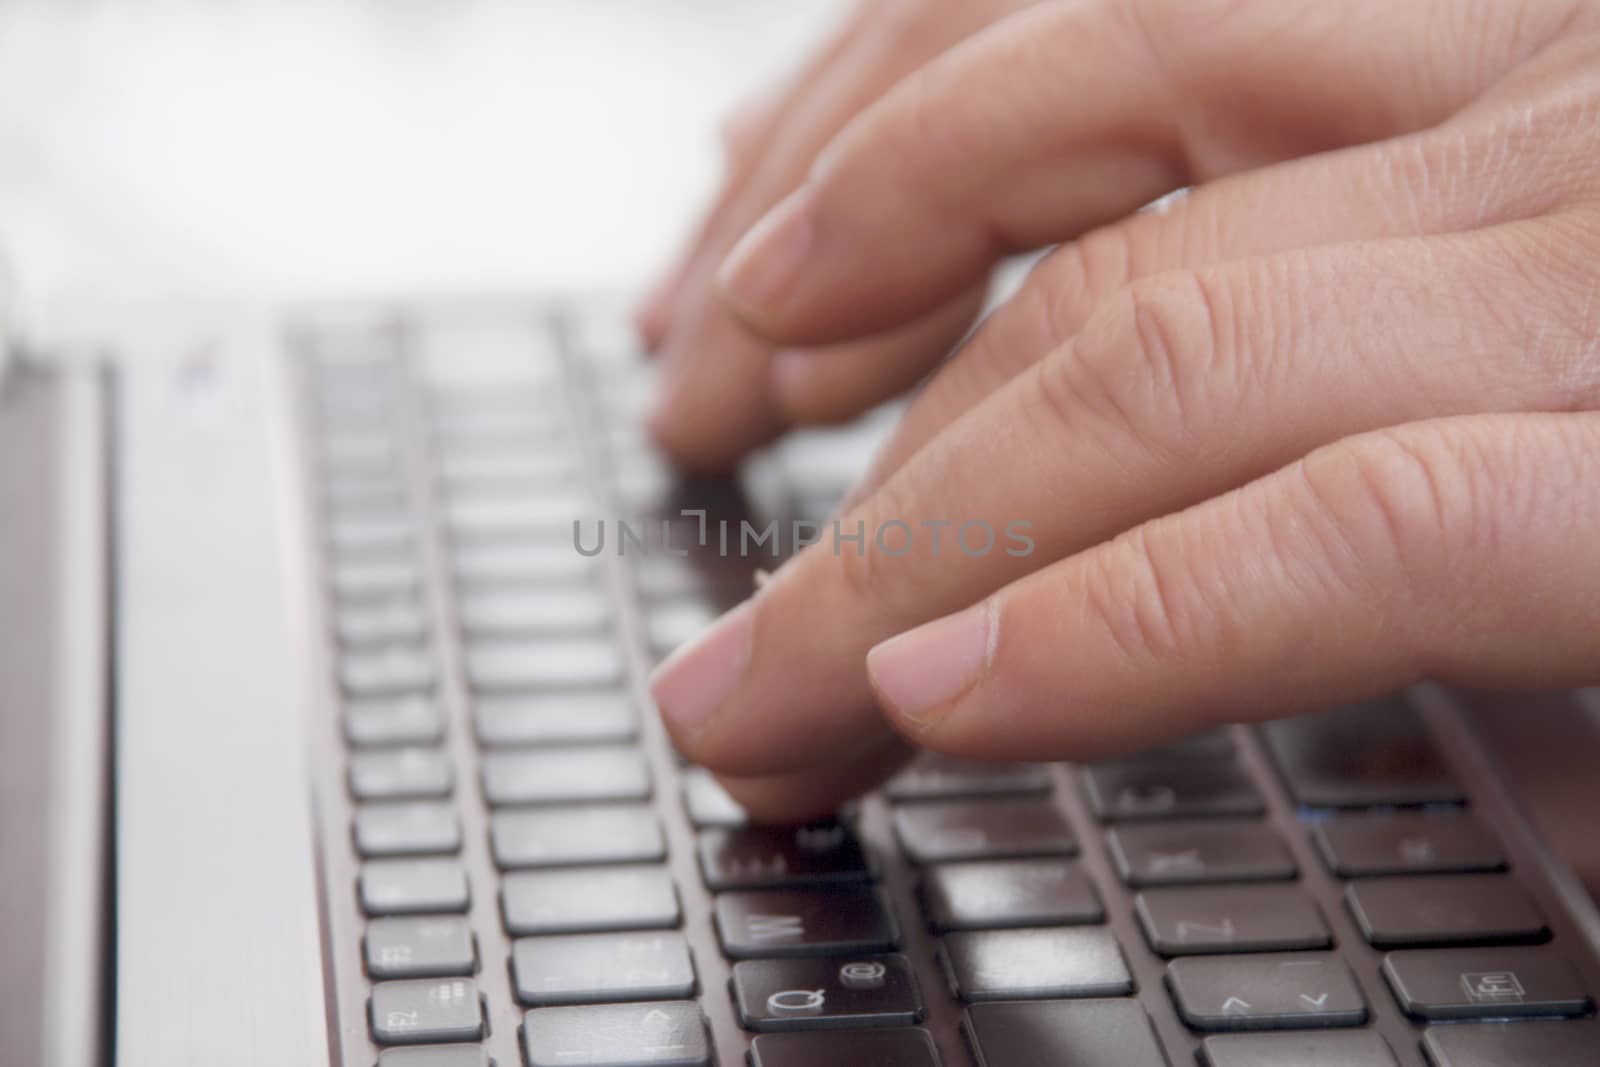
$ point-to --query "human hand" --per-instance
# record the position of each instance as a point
(1326, 425)
(726, 390)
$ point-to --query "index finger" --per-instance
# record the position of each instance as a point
(1068, 116)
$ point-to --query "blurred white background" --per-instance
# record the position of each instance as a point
(265, 150)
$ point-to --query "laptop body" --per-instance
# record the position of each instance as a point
(287, 821)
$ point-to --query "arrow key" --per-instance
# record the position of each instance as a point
(1265, 992)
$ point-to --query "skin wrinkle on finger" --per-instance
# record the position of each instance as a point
(1414, 185)
(1505, 499)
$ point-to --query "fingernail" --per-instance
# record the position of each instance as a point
(768, 258)
(923, 672)
(695, 680)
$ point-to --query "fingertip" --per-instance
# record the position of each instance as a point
(921, 676)
(768, 259)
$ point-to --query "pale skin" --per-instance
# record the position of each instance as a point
(1324, 426)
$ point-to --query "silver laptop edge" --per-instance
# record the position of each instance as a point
(219, 943)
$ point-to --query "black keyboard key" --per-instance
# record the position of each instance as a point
(566, 775)
(829, 993)
(708, 804)
(1007, 893)
(1268, 992)
(1035, 963)
(432, 947)
(435, 1056)
(382, 721)
(413, 887)
(555, 719)
(1443, 910)
(982, 829)
(589, 899)
(668, 1033)
(1186, 853)
(865, 1048)
(567, 837)
(1406, 843)
(1169, 789)
(1569, 1043)
(937, 777)
(1485, 983)
(426, 1012)
(596, 968)
(804, 922)
(1337, 1048)
(1082, 1033)
(1365, 755)
(400, 774)
(406, 828)
(1215, 743)
(773, 858)
(1185, 922)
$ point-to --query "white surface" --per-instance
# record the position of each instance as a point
(252, 150)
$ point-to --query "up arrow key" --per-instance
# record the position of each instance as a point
(1235, 1006)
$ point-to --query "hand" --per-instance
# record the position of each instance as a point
(725, 389)
(1327, 425)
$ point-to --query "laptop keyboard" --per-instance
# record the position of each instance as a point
(520, 871)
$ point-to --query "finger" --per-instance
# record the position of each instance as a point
(746, 134)
(817, 791)
(1189, 385)
(1459, 550)
(1412, 186)
(839, 382)
(1070, 115)
(714, 403)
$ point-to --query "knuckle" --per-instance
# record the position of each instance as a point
(1398, 504)
(1140, 593)
(1149, 363)
(1078, 277)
